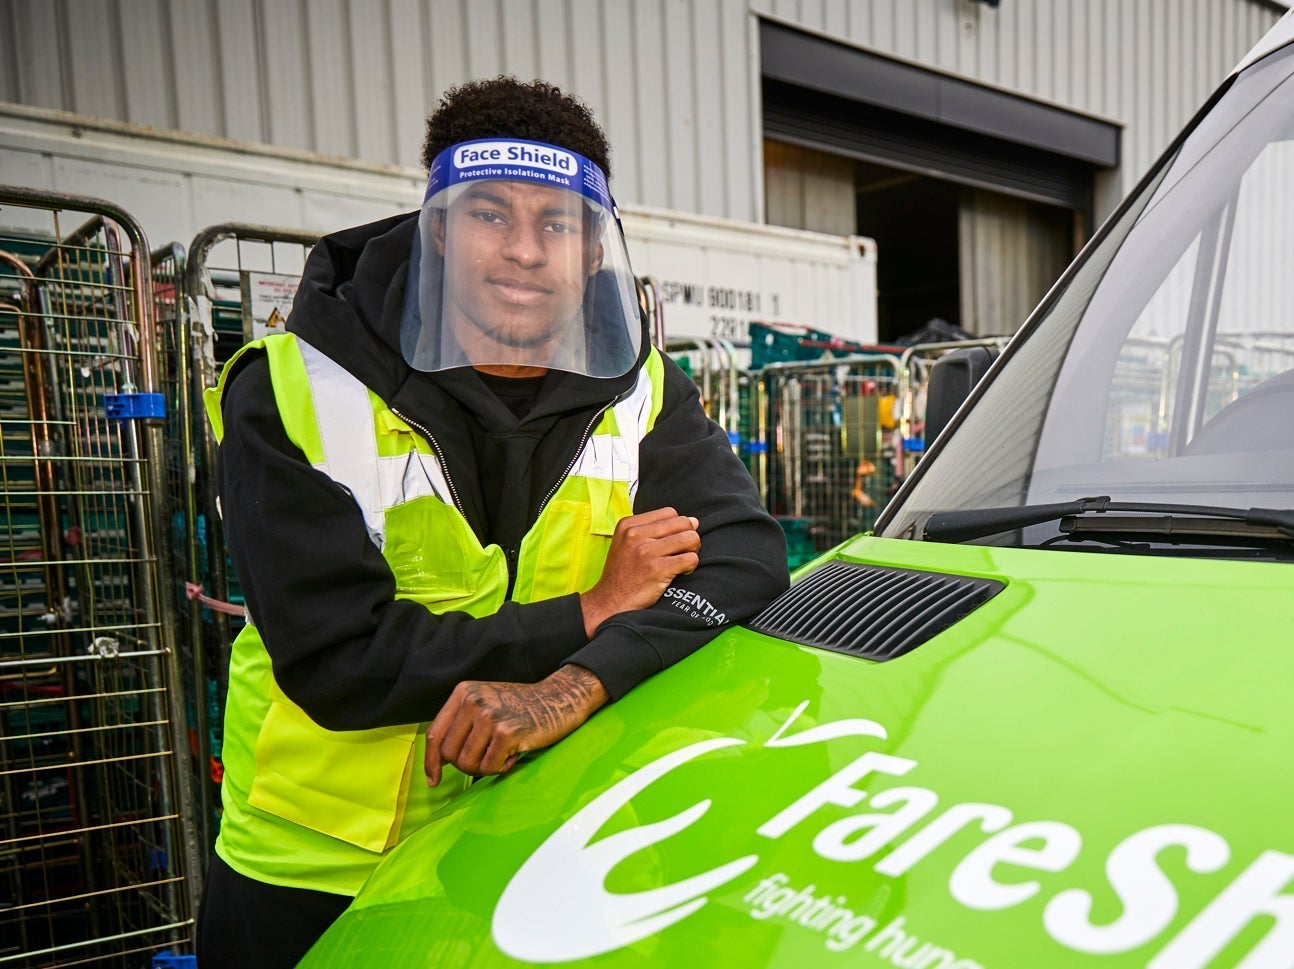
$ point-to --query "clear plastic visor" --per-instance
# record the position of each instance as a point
(510, 272)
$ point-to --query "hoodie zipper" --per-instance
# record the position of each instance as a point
(510, 555)
(453, 492)
(588, 431)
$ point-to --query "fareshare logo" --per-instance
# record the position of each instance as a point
(536, 924)
(1246, 922)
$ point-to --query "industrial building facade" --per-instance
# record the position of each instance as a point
(978, 141)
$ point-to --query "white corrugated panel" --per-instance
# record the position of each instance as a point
(716, 277)
(676, 82)
(190, 29)
(671, 80)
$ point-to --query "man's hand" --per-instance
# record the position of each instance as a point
(647, 552)
(484, 727)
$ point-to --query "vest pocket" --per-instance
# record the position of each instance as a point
(608, 503)
(565, 550)
(437, 560)
(570, 559)
(350, 784)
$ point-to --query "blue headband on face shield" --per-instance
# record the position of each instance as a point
(515, 158)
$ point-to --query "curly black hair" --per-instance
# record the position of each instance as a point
(506, 107)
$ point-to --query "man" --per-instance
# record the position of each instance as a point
(458, 491)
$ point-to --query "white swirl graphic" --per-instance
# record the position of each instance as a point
(557, 908)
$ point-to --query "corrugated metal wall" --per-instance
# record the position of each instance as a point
(1146, 64)
(676, 81)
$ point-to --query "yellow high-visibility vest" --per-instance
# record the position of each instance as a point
(313, 808)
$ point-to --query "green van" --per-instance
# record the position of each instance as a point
(1037, 720)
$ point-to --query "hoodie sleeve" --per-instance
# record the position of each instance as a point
(323, 597)
(687, 463)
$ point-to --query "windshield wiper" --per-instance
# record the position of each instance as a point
(1198, 520)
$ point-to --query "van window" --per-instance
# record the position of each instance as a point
(1163, 371)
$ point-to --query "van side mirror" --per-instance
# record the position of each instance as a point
(952, 378)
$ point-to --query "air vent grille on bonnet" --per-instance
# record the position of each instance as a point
(871, 611)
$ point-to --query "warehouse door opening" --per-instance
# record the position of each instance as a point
(977, 198)
(975, 259)
(913, 219)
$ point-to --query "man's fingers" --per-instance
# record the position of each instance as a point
(432, 760)
(469, 734)
(456, 733)
(686, 562)
(655, 524)
(500, 755)
(447, 721)
(471, 752)
(646, 517)
(674, 544)
(663, 529)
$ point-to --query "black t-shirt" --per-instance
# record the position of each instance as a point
(516, 393)
(505, 457)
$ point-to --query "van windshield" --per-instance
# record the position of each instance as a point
(1163, 370)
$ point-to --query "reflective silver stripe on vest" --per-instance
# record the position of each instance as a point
(615, 458)
(350, 456)
(350, 446)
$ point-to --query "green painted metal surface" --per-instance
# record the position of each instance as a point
(1092, 762)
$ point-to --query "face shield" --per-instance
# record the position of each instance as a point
(519, 260)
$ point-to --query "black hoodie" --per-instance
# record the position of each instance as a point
(321, 594)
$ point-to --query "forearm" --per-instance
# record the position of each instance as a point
(725, 589)
(485, 727)
(687, 464)
(404, 668)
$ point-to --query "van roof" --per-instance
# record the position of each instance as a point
(1280, 35)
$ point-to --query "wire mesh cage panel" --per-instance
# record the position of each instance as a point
(186, 533)
(96, 850)
(714, 366)
(1241, 364)
(1143, 418)
(238, 284)
(827, 462)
